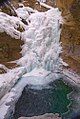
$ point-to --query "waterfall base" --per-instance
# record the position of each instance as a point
(52, 99)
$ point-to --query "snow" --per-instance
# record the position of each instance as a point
(45, 5)
(10, 24)
(23, 12)
(4, 67)
(8, 80)
(72, 77)
(37, 72)
(41, 1)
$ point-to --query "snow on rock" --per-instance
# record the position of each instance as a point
(8, 95)
(71, 77)
(45, 5)
(8, 80)
(24, 12)
(4, 67)
(41, 0)
(10, 24)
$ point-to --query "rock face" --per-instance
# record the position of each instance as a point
(70, 36)
(45, 116)
(9, 49)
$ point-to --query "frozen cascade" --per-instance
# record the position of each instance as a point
(41, 49)
(41, 38)
(40, 62)
(41, 41)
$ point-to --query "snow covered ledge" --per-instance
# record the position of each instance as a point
(71, 77)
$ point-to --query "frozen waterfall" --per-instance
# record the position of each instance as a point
(41, 41)
(40, 62)
(42, 48)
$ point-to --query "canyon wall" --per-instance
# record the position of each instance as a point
(9, 50)
(70, 36)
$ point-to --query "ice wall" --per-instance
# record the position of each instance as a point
(42, 48)
(41, 37)
(41, 41)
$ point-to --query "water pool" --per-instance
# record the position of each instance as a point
(52, 99)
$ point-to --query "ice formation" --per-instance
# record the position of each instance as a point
(41, 37)
(40, 62)
(41, 49)
(41, 41)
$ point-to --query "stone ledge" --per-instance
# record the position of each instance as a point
(45, 116)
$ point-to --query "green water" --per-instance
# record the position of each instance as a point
(49, 100)
(59, 97)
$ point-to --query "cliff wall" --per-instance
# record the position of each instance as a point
(70, 36)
